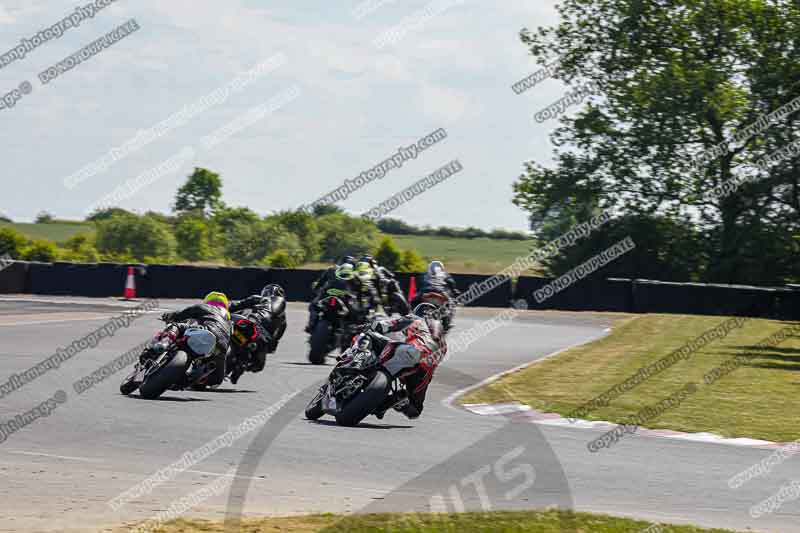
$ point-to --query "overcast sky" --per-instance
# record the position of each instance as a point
(357, 103)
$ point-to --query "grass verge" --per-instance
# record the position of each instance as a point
(756, 399)
(502, 522)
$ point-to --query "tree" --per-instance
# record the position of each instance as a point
(104, 214)
(41, 250)
(4, 218)
(12, 243)
(142, 238)
(193, 238)
(676, 79)
(252, 243)
(80, 249)
(343, 234)
(44, 217)
(306, 228)
(202, 191)
(412, 262)
(389, 254)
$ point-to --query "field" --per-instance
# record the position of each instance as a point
(752, 400)
(478, 256)
(57, 231)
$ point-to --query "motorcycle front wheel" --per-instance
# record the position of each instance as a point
(314, 407)
(365, 402)
(162, 378)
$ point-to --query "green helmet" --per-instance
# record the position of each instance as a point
(345, 272)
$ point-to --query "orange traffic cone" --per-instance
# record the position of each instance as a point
(130, 286)
(412, 288)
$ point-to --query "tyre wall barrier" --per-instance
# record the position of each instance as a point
(184, 281)
(593, 294)
(77, 279)
(296, 282)
(703, 299)
(13, 277)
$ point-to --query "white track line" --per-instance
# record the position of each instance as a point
(81, 459)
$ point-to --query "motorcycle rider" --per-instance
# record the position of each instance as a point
(436, 279)
(344, 286)
(368, 295)
(213, 316)
(326, 277)
(388, 288)
(423, 348)
(268, 310)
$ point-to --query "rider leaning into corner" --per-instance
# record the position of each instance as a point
(211, 315)
(345, 286)
(268, 310)
(423, 348)
(436, 279)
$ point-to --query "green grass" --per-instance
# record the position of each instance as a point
(495, 522)
(57, 231)
(756, 400)
(480, 256)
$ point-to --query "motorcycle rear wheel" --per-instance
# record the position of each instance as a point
(159, 381)
(373, 395)
(320, 340)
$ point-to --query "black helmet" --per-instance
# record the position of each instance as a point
(347, 259)
(366, 258)
(272, 290)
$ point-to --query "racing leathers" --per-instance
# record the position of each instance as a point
(439, 281)
(422, 349)
(203, 316)
(350, 292)
(389, 291)
(270, 313)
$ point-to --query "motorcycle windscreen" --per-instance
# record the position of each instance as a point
(200, 341)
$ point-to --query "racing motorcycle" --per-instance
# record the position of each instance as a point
(247, 353)
(336, 325)
(359, 385)
(393, 300)
(442, 303)
(189, 361)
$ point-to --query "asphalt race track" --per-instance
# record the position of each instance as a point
(60, 471)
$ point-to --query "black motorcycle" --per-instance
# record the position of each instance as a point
(248, 353)
(393, 300)
(336, 325)
(189, 361)
(359, 385)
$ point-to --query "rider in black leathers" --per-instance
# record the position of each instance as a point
(345, 286)
(211, 315)
(388, 288)
(268, 309)
(436, 279)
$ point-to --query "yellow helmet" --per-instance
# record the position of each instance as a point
(218, 299)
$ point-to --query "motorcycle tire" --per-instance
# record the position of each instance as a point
(128, 386)
(320, 341)
(358, 408)
(159, 381)
(314, 407)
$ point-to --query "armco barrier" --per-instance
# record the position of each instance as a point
(13, 277)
